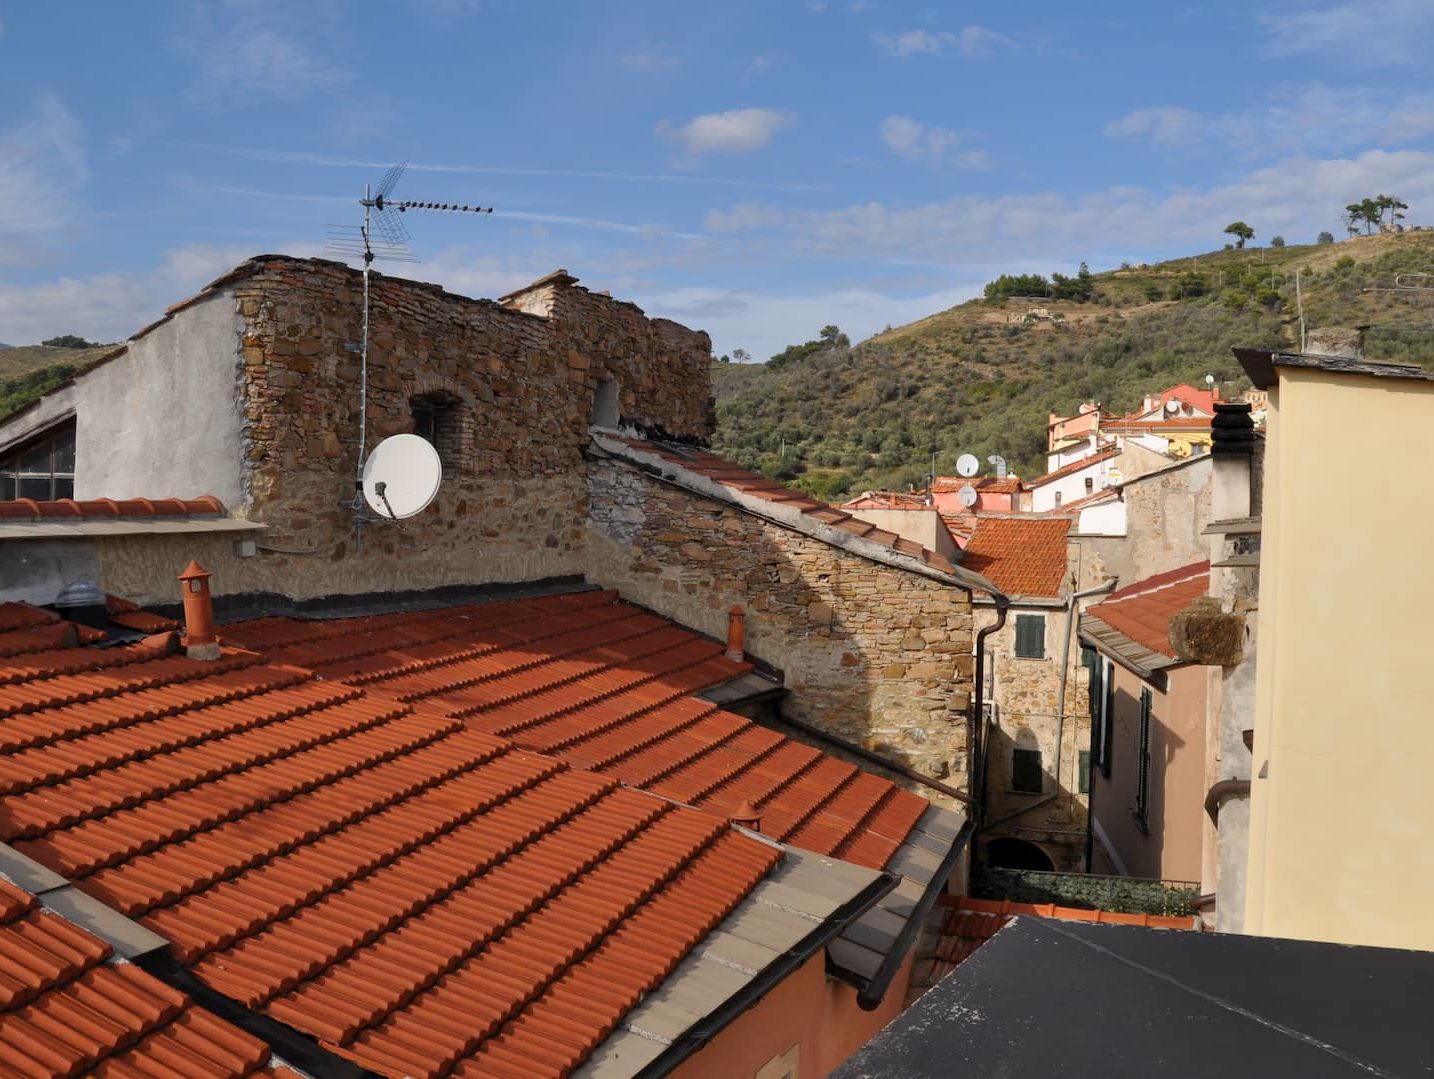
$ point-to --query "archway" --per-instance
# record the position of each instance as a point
(1006, 853)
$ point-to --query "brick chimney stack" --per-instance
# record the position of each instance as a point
(736, 634)
(200, 640)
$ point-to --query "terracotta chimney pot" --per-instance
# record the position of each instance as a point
(736, 634)
(748, 816)
(200, 640)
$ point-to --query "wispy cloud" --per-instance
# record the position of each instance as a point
(1294, 118)
(1369, 32)
(261, 48)
(650, 230)
(651, 60)
(737, 131)
(912, 140)
(968, 41)
(304, 157)
(42, 170)
(1295, 197)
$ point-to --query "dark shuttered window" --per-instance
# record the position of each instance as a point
(1031, 636)
(1142, 785)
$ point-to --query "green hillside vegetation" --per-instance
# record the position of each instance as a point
(982, 377)
(28, 371)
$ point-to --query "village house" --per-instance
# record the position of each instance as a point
(1036, 730)
(1315, 839)
(797, 682)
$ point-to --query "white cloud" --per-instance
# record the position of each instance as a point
(913, 141)
(658, 58)
(262, 48)
(1369, 32)
(110, 306)
(1163, 125)
(743, 217)
(42, 170)
(764, 323)
(1296, 197)
(968, 41)
(737, 131)
(1294, 118)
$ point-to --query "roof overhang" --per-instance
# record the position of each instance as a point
(56, 529)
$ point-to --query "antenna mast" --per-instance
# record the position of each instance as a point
(382, 235)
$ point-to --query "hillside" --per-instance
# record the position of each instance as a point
(982, 376)
(27, 371)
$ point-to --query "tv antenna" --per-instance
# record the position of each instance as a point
(382, 235)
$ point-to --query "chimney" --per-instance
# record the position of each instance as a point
(736, 633)
(1338, 341)
(200, 640)
(747, 815)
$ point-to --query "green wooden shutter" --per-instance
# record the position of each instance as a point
(1031, 636)
(1142, 784)
(1083, 776)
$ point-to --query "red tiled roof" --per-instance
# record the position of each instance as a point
(27, 509)
(605, 687)
(968, 923)
(960, 525)
(416, 894)
(1201, 399)
(65, 1010)
(901, 500)
(1074, 467)
(726, 473)
(1007, 485)
(1142, 611)
(1024, 556)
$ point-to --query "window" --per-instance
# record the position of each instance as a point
(1031, 636)
(1026, 771)
(43, 469)
(441, 418)
(1083, 773)
(1142, 782)
(1090, 485)
(605, 404)
(1104, 700)
(1058, 500)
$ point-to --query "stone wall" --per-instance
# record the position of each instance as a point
(1166, 514)
(877, 655)
(513, 382)
(1027, 693)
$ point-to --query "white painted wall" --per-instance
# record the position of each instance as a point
(162, 420)
(1103, 519)
(1071, 487)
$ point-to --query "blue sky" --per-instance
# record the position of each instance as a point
(756, 169)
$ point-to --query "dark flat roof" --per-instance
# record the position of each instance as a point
(1044, 998)
(1260, 365)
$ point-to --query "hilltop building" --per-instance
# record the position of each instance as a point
(784, 722)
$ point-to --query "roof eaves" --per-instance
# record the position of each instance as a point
(802, 906)
(1130, 654)
(1261, 366)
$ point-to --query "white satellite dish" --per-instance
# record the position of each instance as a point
(968, 496)
(967, 465)
(401, 476)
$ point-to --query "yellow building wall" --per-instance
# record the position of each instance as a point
(1344, 713)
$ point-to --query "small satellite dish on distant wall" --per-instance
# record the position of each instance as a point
(967, 465)
(401, 476)
(968, 496)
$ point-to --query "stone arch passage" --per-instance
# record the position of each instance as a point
(1007, 853)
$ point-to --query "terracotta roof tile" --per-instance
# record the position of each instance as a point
(1006, 485)
(65, 1010)
(21, 509)
(408, 889)
(719, 470)
(1023, 555)
(1142, 611)
(1078, 465)
(606, 687)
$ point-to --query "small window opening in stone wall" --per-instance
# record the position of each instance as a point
(1031, 636)
(605, 404)
(443, 420)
